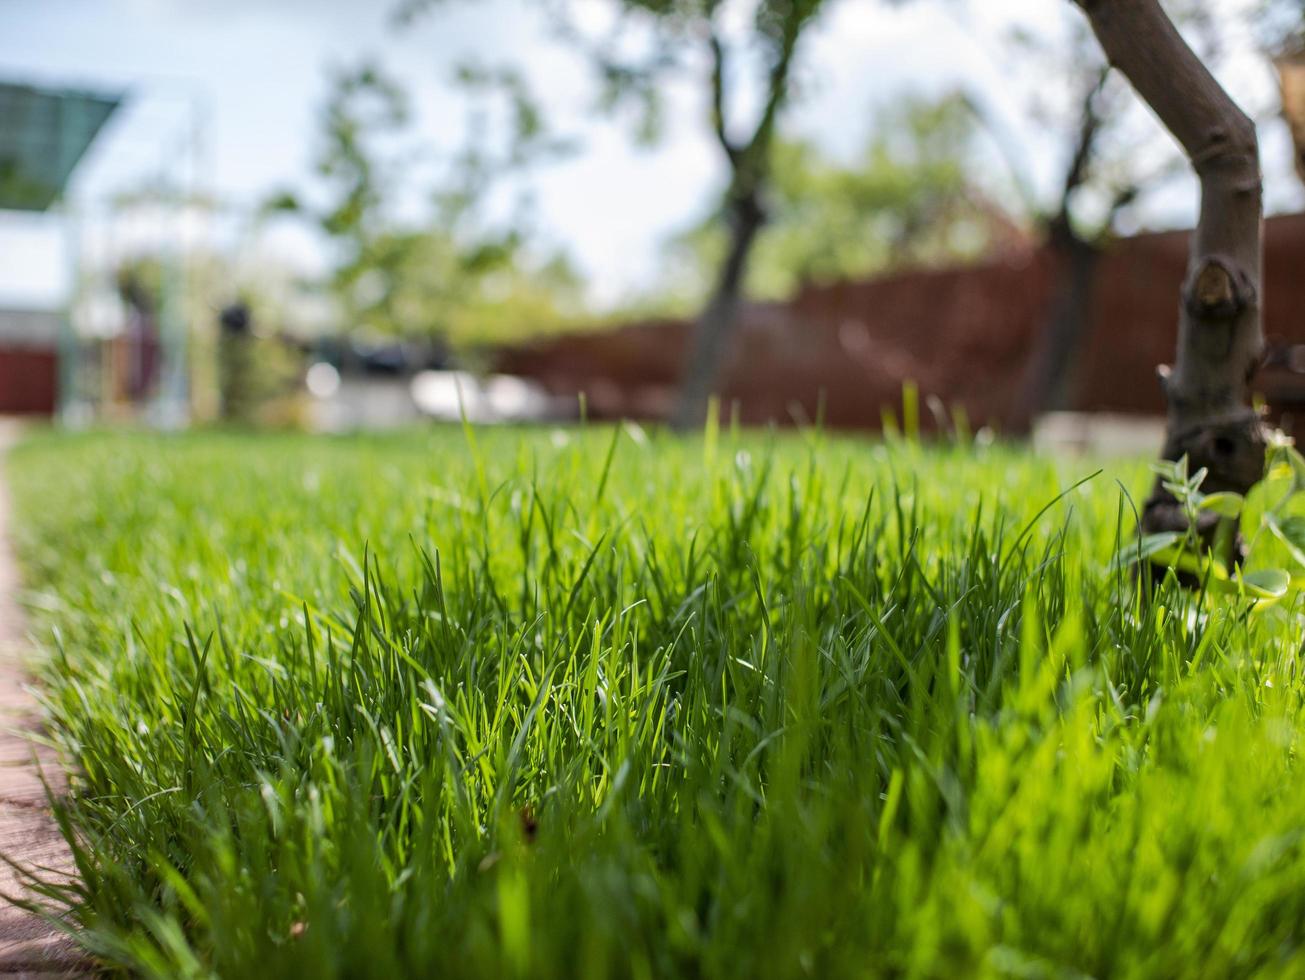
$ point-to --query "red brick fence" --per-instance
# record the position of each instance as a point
(964, 334)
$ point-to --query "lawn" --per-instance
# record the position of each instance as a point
(599, 703)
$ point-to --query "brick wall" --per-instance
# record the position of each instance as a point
(28, 381)
(963, 334)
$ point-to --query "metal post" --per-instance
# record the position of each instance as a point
(70, 407)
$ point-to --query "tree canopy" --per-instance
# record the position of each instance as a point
(459, 272)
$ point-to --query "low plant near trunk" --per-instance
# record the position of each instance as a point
(1251, 545)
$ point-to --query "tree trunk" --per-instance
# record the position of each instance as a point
(1047, 383)
(1076, 265)
(715, 326)
(1220, 336)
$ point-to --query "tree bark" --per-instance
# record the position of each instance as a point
(750, 166)
(1069, 313)
(715, 326)
(1220, 335)
(1046, 387)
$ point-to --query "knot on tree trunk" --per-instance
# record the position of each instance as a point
(1230, 448)
(1218, 290)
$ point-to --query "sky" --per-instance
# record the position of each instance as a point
(239, 84)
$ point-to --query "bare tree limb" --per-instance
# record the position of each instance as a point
(1069, 316)
(1089, 126)
(744, 211)
(718, 97)
(777, 83)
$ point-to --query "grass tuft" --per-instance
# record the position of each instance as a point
(599, 703)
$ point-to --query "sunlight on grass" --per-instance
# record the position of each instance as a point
(589, 704)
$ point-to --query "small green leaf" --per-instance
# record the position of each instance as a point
(1183, 559)
(1225, 504)
(1224, 545)
(1144, 547)
(1293, 529)
(1291, 532)
(1267, 583)
(1297, 466)
(1264, 498)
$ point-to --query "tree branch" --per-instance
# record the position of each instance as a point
(777, 83)
(718, 96)
(1089, 127)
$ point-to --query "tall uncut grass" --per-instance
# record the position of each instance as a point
(598, 704)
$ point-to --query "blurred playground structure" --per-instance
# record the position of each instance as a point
(172, 308)
(116, 342)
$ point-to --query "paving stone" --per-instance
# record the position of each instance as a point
(30, 945)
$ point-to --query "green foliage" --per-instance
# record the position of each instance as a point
(599, 704)
(455, 274)
(678, 28)
(486, 293)
(259, 381)
(141, 281)
(1270, 520)
(364, 104)
(908, 199)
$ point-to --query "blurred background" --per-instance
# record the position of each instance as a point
(936, 215)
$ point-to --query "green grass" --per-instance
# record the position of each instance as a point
(596, 705)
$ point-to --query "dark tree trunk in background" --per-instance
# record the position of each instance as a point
(744, 210)
(715, 327)
(1069, 314)
(1220, 336)
(1047, 383)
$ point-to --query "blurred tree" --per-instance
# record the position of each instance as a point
(238, 395)
(1102, 174)
(259, 374)
(456, 274)
(1291, 80)
(364, 107)
(721, 40)
(908, 199)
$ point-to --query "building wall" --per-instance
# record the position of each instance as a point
(28, 381)
(29, 362)
(964, 335)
